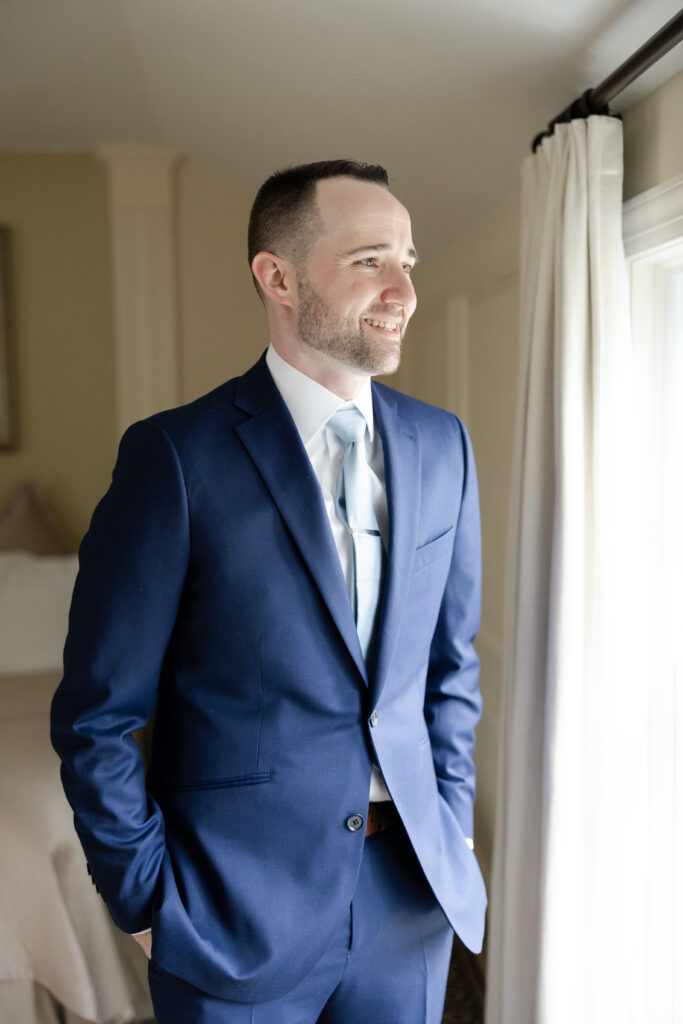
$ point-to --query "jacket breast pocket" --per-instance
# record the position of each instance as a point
(434, 550)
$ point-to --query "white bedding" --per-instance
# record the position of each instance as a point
(55, 931)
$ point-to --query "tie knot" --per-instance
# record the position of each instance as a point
(349, 425)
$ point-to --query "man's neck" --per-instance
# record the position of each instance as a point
(341, 380)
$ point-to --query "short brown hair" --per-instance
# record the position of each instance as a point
(280, 216)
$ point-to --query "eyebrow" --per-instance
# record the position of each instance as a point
(382, 247)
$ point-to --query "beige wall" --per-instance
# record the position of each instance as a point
(222, 324)
(461, 353)
(653, 138)
(62, 332)
(56, 207)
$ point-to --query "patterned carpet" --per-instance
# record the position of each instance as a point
(465, 992)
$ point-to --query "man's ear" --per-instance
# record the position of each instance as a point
(276, 277)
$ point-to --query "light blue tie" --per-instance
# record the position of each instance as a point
(354, 502)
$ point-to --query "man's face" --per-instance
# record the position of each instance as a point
(355, 292)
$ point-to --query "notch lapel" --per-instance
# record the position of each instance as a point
(274, 445)
(401, 448)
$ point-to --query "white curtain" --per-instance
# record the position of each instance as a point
(570, 918)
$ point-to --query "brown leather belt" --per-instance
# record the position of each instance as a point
(381, 815)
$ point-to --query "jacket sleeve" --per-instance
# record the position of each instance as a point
(453, 701)
(132, 566)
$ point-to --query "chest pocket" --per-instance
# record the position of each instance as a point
(440, 547)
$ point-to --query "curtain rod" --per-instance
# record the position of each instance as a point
(595, 101)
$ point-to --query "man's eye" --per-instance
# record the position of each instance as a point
(368, 261)
(408, 267)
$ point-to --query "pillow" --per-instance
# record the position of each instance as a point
(35, 596)
(26, 524)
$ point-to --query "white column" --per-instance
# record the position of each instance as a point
(142, 215)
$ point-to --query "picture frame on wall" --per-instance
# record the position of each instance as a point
(7, 438)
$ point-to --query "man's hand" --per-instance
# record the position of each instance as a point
(144, 939)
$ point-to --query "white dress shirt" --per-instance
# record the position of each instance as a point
(311, 406)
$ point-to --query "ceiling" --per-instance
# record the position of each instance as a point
(446, 93)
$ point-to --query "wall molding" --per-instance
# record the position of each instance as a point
(143, 246)
(457, 316)
(457, 355)
(654, 218)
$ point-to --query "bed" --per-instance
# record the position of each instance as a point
(62, 960)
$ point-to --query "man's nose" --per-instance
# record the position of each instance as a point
(398, 288)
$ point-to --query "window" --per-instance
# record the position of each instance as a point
(653, 236)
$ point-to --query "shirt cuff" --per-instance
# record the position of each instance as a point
(145, 932)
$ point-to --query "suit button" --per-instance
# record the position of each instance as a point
(374, 717)
(354, 822)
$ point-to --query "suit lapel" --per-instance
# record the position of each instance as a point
(274, 445)
(401, 447)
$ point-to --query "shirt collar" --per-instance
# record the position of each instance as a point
(309, 403)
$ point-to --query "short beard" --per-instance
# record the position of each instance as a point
(344, 340)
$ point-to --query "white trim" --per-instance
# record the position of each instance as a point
(654, 219)
(653, 240)
(142, 213)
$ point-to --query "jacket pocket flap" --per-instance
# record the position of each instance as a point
(433, 550)
(253, 779)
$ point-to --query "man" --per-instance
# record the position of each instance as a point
(301, 604)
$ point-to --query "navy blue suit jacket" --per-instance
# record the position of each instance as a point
(209, 582)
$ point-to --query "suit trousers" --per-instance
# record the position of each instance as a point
(387, 964)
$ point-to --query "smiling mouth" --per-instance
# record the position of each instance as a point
(386, 325)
